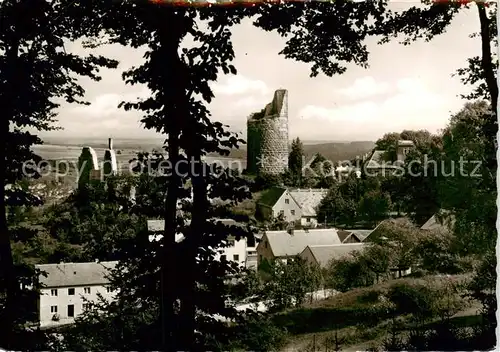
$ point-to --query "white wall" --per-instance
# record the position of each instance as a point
(252, 258)
(313, 221)
(291, 210)
(63, 299)
(239, 248)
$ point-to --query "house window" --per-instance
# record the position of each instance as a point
(282, 212)
(230, 243)
(71, 310)
(108, 289)
(308, 219)
(86, 290)
(236, 257)
(53, 309)
(292, 212)
(223, 257)
(265, 244)
(71, 291)
(53, 292)
(86, 306)
(287, 201)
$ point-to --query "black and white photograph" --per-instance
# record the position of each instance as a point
(234, 175)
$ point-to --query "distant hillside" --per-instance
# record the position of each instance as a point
(333, 151)
(336, 151)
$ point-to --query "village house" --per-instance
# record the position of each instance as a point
(322, 255)
(282, 244)
(377, 165)
(68, 288)
(295, 205)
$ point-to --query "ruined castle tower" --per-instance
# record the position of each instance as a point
(267, 137)
(88, 166)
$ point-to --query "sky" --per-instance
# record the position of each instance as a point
(405, 87)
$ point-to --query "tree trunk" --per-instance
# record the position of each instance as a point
(170, 39)
(491, 126)
(198, 224)
(487, 61)
(7, 272)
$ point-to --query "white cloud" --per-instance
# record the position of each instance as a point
(235, 85)
(412, 107)
(364, 88)
(107, 104)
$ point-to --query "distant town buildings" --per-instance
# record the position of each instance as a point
(69, 288)
(267, 137)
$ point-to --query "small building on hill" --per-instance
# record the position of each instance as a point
(321, 255)
(377, 165)
(283, 244)
(67, 288)
(295, 205)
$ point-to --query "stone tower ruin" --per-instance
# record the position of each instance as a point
(267, 137)
(110, 166)
(88, 166)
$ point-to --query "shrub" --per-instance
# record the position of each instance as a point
(412, 299)
(348, 273)
(266, 181)
(258, 333)
(371, 296)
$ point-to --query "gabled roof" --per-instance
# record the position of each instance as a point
(284, 244)
(444, 221)
(271, 196)
(360, 234)
(308, 199)
(402, 221)
(343, 234)
(75, 274)
(325, 253)
(376, 160)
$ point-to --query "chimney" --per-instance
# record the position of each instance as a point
(110, 143)
(290, 231)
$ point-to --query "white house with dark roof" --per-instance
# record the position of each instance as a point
(283, 244)
(237, 251)
(67, 288)
(294, 204)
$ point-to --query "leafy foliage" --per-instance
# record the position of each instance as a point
(36, 72)
(289, 282)
(295, 160)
